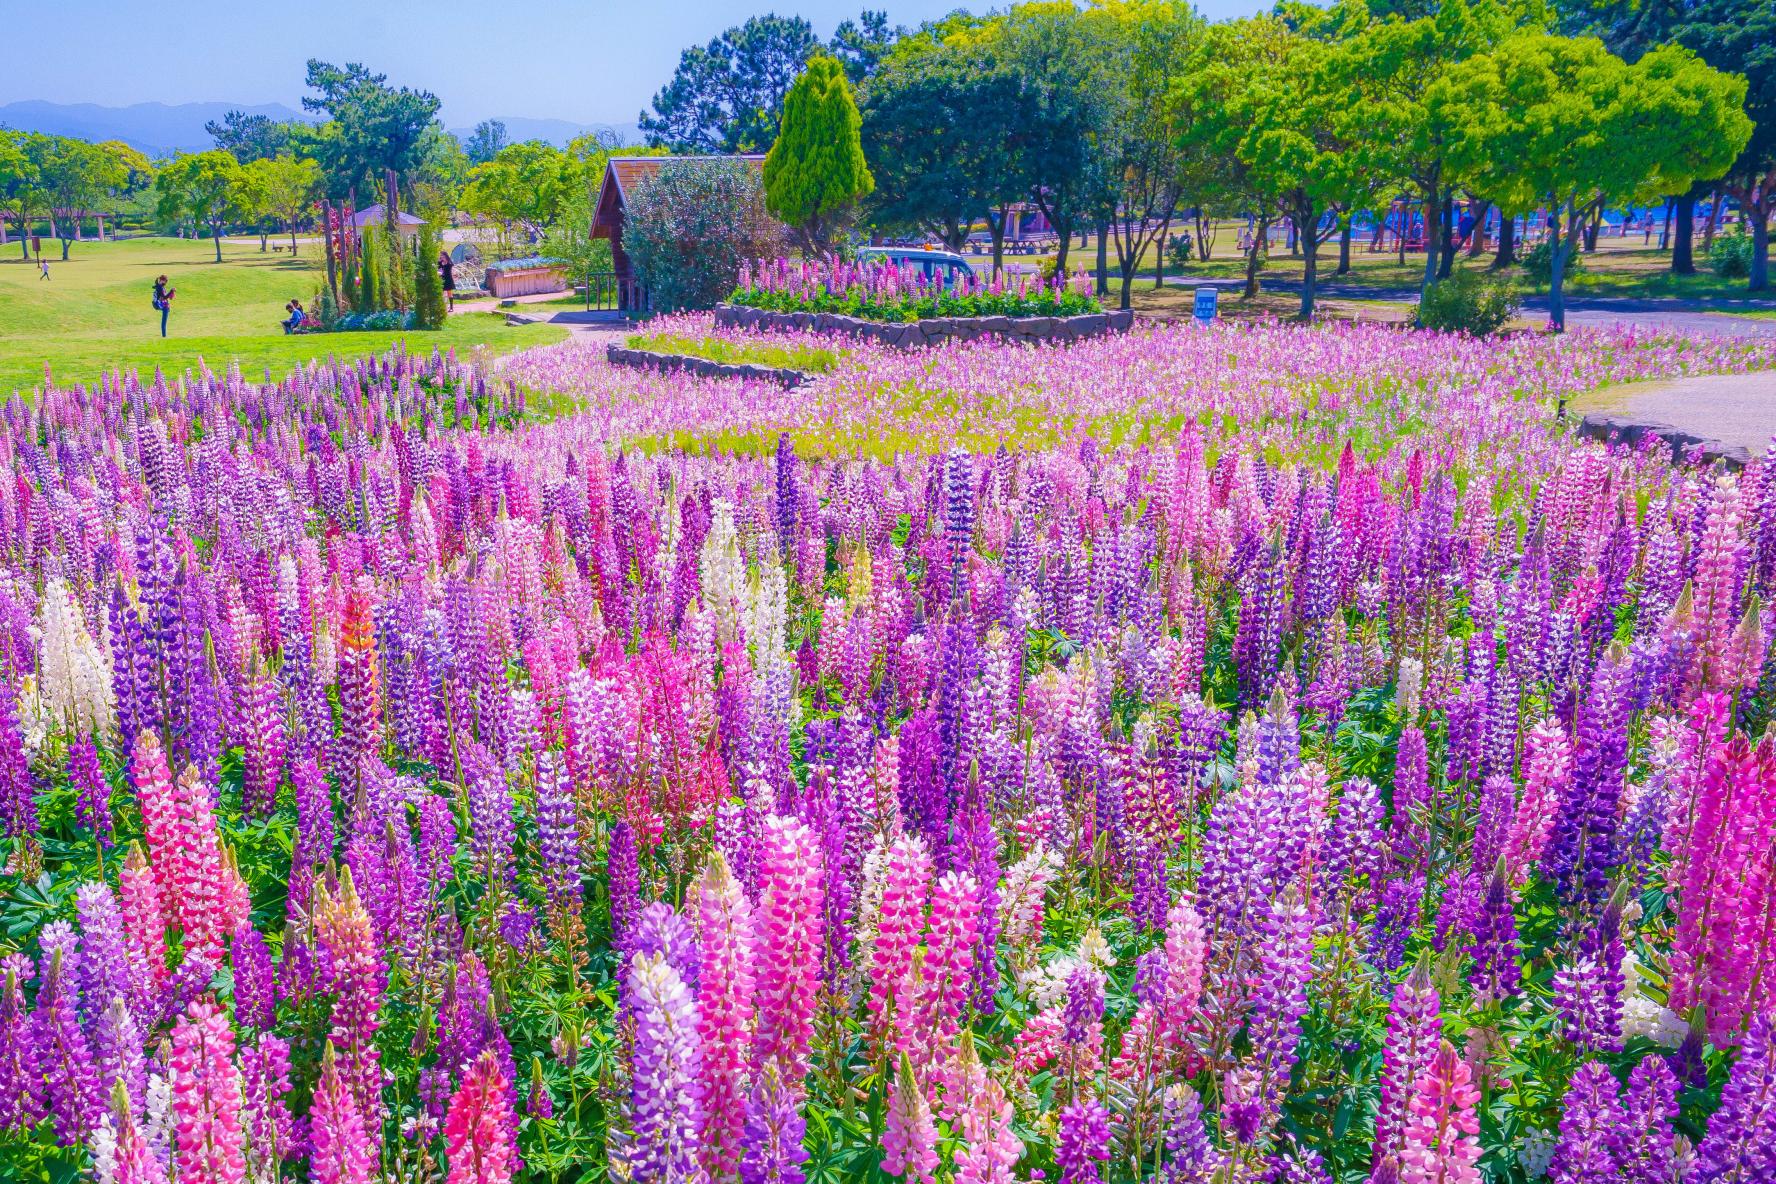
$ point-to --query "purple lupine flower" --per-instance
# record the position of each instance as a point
(1644, 1147)
(104, 950)
(1495, 950)
(1286, 961)
(1591, 1117)
(1413, 1036)
(1083, 1142)
(92, 803)
(958, 514)
(73, 1089)
(786, 493)
(491, 826)
(1257, 640)
(660, 931)
(1190, 1154)
(665, 1115)
(254, 993)
(1583, 849)
(624, 878)
(18, 795)
(21, 1069)
(558, 836)
(1084, 1007)
(1395, 917)
(117, 1053)
(774, 1129)
(1740, 1146)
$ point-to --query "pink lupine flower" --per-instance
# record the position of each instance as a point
(210, 1144)
(144, 926)
(342, 928)
(790, 927)
(477, 1130)
(1547, 766)
(899, 923)
(947, 968)
(909, 1135)
(1442, 1143)
(342, 1152)
(725, 986)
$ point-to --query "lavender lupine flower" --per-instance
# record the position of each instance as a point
(1083, 1143)
(254, 995)
(104, 957)
(1495, 950)
(665, 1115)
(1591, 1118)
(1190, 1154)
(624, 869)
(490, 814)
(1286, 965)
(21, 1069)
(659, 931)
(558, 838)
(1740, 1146)
(958, 514)
(76, 1098)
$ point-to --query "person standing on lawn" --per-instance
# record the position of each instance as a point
(447, 274)
(163, 301)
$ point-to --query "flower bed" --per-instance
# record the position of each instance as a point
(1270, 754)
(899, 294)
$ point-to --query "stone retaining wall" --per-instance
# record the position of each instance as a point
(641, 359)
(1614, 428)
(918, 334)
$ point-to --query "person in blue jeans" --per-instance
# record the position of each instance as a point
(163, 301)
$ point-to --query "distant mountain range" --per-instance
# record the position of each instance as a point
(161, 129)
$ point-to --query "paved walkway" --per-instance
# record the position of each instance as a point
(1737, 409)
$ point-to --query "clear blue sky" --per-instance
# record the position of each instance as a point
(591, 61)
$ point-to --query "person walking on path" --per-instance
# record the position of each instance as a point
(163, 301)
(43, 267)
(447, 274)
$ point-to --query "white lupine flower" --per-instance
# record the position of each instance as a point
(74, 672)
(723, 571)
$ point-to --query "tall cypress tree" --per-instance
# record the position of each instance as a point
(816, 170)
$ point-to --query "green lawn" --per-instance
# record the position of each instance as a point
(93, 314)
(808, 359)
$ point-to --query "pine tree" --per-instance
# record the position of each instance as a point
(370, 288)
(816, 169)
(428, 287)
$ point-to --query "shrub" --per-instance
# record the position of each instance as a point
(428, 286)
(1538, 264)
(1730, 255)
(1468, 302)
(1179, 248)
(691, 227)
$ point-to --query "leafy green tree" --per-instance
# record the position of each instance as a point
(21, 179)
(691, 227)
(862, 44)
(75, 175)
(815, 172)
(486, 141)
(371, 293)
(1563, 120)
(1740, 36)
(727, 96)
(281, 189)
(254, 137)
(524, 185)
(372, 127)
(941, 128)
(204, 186)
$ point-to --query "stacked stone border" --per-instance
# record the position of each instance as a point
(641, 359)
(935, 331)
(1614, 428)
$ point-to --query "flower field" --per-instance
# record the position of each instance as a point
(882, 291)
(1201, 755)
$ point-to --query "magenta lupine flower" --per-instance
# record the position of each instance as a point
(909, 1135)
(664, 1112)
(1440, 1142)
(478, 1140)
(206, 1099)
(143, 925)
(789, 944)
(725, 1012)
(1412, 1038)
(947, 970)
(341, 1150)
(1590, 1121)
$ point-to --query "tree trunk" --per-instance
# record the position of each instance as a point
(1557, 249)
(1477, 238)
(1433, 211)
(24, 239)
(1160, 246)
(1203, 221)
(292, 241)
(66, 243)
(1252, 255)
(1683, 236)
(1446, 240)
(216, 237)
(996, 227)
(1103, 284)
(1344, 249)
(1307, 233)
(1507, 249)
(1065, 234)
(264, 241)
(1665, 230)
(1714, 209)
(1760, 247)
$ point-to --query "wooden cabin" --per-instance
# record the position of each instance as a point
(623, 176)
